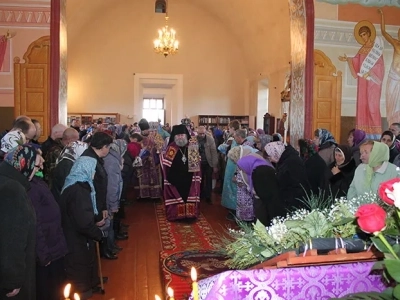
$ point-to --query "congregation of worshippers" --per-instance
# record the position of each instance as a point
(62, 201)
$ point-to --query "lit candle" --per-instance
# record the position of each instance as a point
(195, 286)
(76, 297)
(67, 290)
(157, 297)
(170, 292)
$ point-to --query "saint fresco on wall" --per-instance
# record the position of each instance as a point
(393, 79)
(368, 68)
(364, 45)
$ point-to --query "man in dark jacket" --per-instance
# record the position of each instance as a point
(17, 235)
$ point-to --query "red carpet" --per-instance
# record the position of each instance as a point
(180, 236)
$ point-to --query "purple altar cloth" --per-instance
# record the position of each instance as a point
(300, 283)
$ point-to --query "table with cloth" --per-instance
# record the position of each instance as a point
(296, 283)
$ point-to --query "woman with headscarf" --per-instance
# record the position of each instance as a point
(389, 139)
(79, 208)
(374, 170)
(113, 163)
(260, 181)
(244, 196)
(64, 164)
(317, 171)
(355, 139)
(290, 172)
(326, 145)
(51, 246)
(342, 171)
(229, 189)
(17, 225)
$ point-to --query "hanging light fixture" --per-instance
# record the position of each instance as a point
(166, 43)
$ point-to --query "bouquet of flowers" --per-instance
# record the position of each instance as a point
(251, 245)
(373, 219)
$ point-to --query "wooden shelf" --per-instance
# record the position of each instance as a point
(224, 120)
(83, 118)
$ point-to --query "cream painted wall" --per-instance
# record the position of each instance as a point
(325, 11)
(117, 42)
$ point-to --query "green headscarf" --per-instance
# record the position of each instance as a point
(378, 155)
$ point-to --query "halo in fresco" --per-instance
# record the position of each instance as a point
(361, 24)
(377, 3)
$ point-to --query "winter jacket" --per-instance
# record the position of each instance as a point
(17, 235)
(113, 164)
(99, 182)
(50, 240)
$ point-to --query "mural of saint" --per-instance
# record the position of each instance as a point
(368, 68)
(393, 79)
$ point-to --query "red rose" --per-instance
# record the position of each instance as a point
(387, 185)
(22, 163)
(371, 218)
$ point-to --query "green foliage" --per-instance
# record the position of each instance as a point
(366, 296)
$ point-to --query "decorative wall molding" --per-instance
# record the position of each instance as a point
(341, 33)
(25, 16)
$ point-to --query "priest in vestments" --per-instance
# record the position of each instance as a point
(181, 169)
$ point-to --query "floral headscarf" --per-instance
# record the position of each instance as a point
(265, 139)
(83, 170)
(12, 139)
(275, 150)
(240, 151)
(72, 151)
(22, 158)
(307, 148)
(325, 136)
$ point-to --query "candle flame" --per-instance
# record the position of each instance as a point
(193, 274)
(67, 290)
(76, 297)
(157, 297)
(170, 292)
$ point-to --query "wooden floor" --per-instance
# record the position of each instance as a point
(135, 274)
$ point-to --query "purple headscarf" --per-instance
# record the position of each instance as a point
(358, 136)
(247, 164)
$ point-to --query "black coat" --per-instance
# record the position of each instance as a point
(318, 174)
(17, 235)
(100, 182)
(267, 203)
(50, 240)
(340, 182)
(80, 230)
(127, 173)
(292, 178)
(60, 173)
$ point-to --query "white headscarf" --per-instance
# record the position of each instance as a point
(275, 150)
(11, 140)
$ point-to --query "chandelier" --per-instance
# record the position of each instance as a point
(166, 43)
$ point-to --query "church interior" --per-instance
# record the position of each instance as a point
(266, 63)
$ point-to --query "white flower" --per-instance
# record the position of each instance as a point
(277, 231)
(395, 195)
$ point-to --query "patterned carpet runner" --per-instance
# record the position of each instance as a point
(183, 242)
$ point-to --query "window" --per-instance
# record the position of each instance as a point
(160, 6)
(153, 109)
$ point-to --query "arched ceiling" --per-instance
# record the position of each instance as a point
(260, 27)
